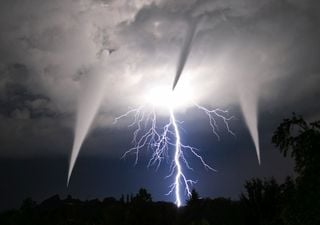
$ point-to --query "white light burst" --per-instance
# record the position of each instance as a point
(150, 134)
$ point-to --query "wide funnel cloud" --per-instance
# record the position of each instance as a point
(89, 101)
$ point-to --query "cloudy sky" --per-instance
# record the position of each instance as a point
(66, 66)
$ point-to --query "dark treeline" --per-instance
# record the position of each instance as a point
(264, 201)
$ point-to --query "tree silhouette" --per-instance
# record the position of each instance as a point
(194, 198)
(142, 196)
(262, 201)
(302, 141)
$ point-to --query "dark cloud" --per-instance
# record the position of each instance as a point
(18, 99)
(57, 56)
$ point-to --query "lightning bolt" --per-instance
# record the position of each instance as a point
(149, 134)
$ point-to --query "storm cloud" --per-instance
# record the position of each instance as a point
(56, 54)
(69, 68)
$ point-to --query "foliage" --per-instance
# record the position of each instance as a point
(302, 140)
(295, 202)
(295, 135)
(194, 198)
(264, 200)
(142, 196)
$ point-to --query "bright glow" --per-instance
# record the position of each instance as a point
(163, 97)
(151, 134)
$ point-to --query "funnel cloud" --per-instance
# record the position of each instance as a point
(88, 106)
(185, 52)
(248, 102)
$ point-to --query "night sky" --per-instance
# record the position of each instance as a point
(68, 65)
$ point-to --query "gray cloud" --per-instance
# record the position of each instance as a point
(52, 51)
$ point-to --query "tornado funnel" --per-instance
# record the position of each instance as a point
(248, 101)
(88, 106)
(184, 52)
